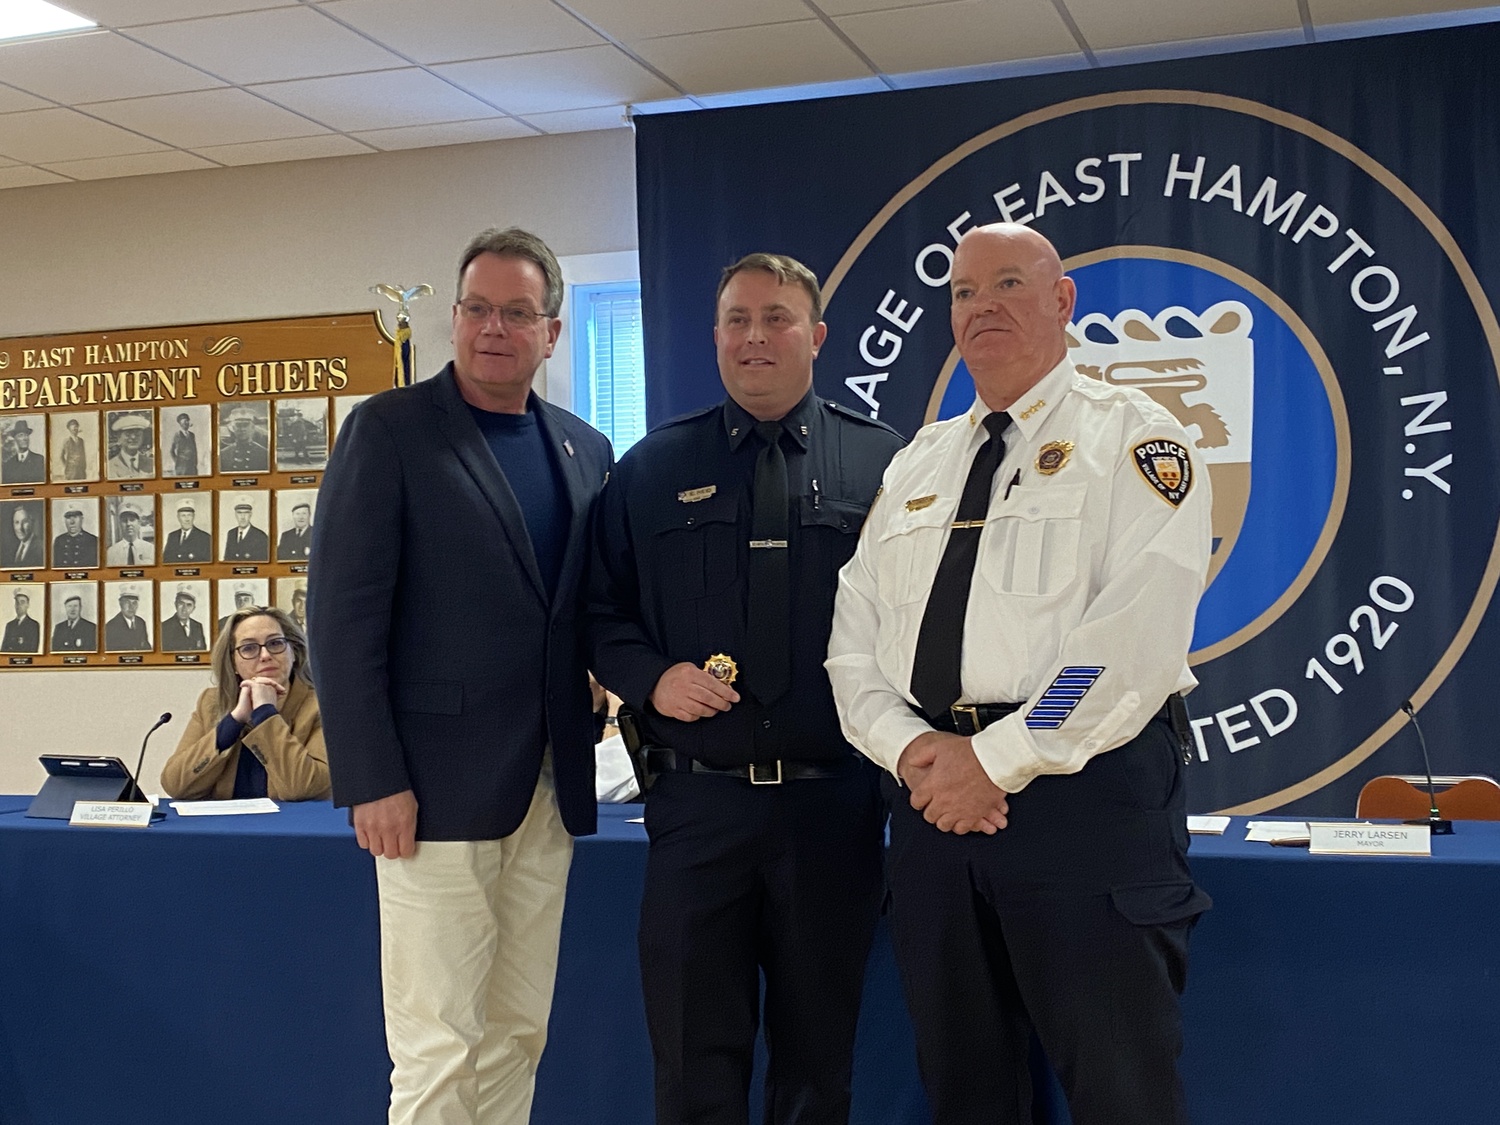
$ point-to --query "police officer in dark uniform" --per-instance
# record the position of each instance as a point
(719, 542)
(75, 548)
(243, 451)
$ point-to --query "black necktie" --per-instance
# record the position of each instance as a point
(937, 667)
(768, 624)
(131, 560)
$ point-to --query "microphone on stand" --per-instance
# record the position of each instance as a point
(133, 793)
(1434, 819)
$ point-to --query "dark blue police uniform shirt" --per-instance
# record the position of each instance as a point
(668, 579)
(518, 445)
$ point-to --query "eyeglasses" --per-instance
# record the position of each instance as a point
(251, 649)
(512, 316)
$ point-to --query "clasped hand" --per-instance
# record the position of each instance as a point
(949, 787)
(255, 692)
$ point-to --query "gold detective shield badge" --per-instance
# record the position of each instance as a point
(721, 666)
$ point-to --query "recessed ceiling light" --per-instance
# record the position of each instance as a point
(21, 18)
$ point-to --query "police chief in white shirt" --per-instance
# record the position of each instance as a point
(1026, 694)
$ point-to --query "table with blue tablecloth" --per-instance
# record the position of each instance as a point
(227, 969)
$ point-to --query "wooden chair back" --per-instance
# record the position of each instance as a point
(1404, 797)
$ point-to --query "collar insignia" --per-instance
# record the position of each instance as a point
(1033, 408)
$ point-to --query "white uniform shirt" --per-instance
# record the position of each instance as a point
(119, 553)
(1090, 569)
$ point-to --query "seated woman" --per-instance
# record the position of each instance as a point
(262, 702)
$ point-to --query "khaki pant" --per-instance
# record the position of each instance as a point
(469, 933)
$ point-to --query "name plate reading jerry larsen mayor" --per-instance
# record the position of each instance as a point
(1369, 839)
(111, 814)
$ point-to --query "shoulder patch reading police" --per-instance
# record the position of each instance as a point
(1165, 465)
(1053, 706)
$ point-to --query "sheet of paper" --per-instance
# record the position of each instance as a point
(1207, 825)
(1268, 830)
(226, 808)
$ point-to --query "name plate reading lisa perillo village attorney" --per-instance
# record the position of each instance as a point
(112, 814)
(1369, 839)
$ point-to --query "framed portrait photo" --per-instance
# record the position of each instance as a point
(244, 437)
(23, 606)
(131, 452)
(74, 446)
(295, 508)
(75, 539)
(185, 617)
(23, 534)
(187, 441)
(301, 434)
(291, 595)
(129, 626)
(239, 593)
(129, 531)
(185, 528)
(23, 438)
(75, 616)
(244, 516)
(343, 406)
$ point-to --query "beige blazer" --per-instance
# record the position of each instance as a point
(289, 744)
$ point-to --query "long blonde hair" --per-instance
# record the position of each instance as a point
(222, 659)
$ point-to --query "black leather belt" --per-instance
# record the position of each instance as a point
(663, 760)
(971, 718)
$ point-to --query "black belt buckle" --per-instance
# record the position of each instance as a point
(765, 775)
(965, 716)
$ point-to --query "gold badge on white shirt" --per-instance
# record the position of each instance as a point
(1053, 456)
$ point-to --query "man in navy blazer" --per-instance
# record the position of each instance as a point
(463, 738)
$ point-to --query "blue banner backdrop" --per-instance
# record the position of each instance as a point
(1293, 250)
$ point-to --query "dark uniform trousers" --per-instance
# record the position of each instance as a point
(1072, 922)
(744, 878)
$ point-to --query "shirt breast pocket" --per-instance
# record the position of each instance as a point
(1031, 542)
(698, 546)
(909, 550)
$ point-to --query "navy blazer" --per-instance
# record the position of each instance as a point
(441, 666)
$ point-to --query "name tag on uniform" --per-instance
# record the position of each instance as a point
(693, 495)
(920, 502)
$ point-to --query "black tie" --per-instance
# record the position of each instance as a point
(131, 559)
(937, 667)
(769, 630)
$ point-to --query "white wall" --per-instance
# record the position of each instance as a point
(269, 240)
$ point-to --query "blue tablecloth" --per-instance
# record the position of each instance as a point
(232, 963)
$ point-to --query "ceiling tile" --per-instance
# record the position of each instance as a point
(582, 78)
(297, 42)
(581, 120)
(449, 133)
(464, 29)
(22, 175)
(210, 117)
(1328, 12)
(127, 13)
(1130, 23)
(848, 7)
(649, 19)
(100, 66)
(12, 100)
(44, 135)
(275, 152)
(783, 54)
(962, 33)
(386, 99)
(142, 164)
